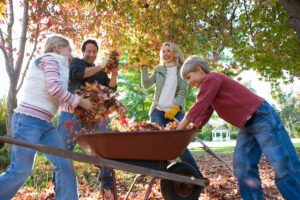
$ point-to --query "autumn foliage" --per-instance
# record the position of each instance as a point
(113, 61)
(106, 103)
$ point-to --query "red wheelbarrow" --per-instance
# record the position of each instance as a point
(144, 152)
(149, 149)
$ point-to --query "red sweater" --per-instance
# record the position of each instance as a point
(232, 101)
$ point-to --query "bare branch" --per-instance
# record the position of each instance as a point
(9, 37)
(231, 20)
(2, 41)
(30, 57)
(22, 44)
(3, 50)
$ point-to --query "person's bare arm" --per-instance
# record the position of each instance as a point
(90, 71)
(184, 123)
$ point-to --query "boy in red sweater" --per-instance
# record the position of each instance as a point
(261, 130)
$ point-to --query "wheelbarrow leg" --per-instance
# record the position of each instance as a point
(114, 184)
(102, 188)
(149, 188)
(133, 183)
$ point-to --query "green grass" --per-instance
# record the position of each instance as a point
(297, 146)
(228, 149)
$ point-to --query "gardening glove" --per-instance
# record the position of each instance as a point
(145, 61)
(172, 113)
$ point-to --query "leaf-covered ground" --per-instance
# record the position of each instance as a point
(223, 185)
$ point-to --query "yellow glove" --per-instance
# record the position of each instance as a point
(145, 61)
(172, 113)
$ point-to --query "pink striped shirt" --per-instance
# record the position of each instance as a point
(54, 87)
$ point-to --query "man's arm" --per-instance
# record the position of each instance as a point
(90, 71)
(184, 123)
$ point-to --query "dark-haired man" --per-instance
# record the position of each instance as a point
(82, 71)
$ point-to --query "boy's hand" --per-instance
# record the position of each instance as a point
(172, 113)
(183, 124)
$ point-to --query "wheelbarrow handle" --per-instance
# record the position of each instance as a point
(211, 152)
(99, 161)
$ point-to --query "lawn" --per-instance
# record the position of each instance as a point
(230, 149)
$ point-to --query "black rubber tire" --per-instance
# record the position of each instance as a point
(172, 190)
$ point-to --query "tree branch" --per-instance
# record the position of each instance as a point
(22, 44)
(3, 50)
(231, 21)
(10, 24)
(30, 57)
(248, 22)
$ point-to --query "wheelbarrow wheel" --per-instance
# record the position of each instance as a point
(173, 190)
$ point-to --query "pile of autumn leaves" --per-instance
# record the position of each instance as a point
(106, 103)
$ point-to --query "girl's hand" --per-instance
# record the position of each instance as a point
(87, 105)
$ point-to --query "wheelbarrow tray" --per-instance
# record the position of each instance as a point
(141, 145)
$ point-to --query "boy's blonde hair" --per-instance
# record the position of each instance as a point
(179, 57)
(53, 41)
(191, 64)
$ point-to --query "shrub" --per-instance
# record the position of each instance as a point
(297, 130)
(2, 118)
(205, 134)
(4, 159)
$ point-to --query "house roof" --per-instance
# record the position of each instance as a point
(220, 128)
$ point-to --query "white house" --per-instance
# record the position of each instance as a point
(217, 134)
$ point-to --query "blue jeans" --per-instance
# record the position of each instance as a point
(158, 117)
(36, 131)
(265, 133)
(67, 138)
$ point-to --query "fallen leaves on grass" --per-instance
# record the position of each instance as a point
(223, 185)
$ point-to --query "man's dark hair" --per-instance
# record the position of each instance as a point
(88, 42)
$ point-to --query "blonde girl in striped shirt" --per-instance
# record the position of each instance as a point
(45, 88)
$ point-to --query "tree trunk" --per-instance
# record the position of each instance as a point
(11, 105)
(291, 130)
(293, 9)
(13, 71)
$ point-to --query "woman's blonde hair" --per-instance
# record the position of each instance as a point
(176, 51)
(53, 41)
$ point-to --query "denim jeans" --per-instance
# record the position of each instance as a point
(265, 133)
(36, 131)
(158, 117)
(67, 138)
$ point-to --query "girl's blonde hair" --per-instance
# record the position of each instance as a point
(53, 41)
(179, 57)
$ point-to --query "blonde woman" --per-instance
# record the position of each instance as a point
(45, 88)
(170, 90)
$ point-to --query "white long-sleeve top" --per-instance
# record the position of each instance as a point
(167, 97)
